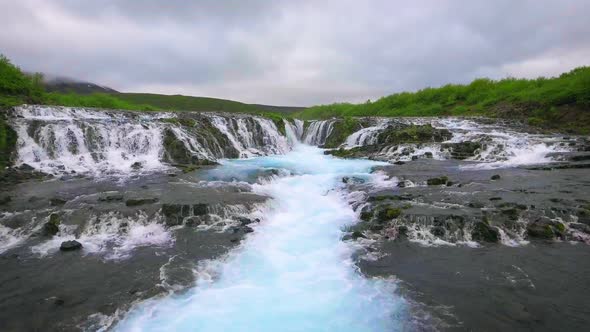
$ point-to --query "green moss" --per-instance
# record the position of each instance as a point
(388, 213)
(341, 130)
(7, 143)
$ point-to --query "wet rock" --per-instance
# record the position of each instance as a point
(246, 221)
(463, 150)
(199, 209)
(357, 235)
(385, 214)
(111, 198)
(399, 162)
(70, 245)
(438, 231)
(5, 200)
(428, 155)
(26, 168)
(136, 166)
(174, 214)
(57, 201)
(437, 181)
(140, 201)
(495, 198)
(51, 227)
(580, 227)
(483, 232)
(545, 228)
(366, 215)
(495, 177)
(247, 229)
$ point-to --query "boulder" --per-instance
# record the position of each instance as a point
(70, 245)
(495, 177)
(545, 228)
(483, 232)
(51, 227)
(175, 213)
(5, 200)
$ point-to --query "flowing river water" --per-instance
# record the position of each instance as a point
(294, 273)
(233, 222)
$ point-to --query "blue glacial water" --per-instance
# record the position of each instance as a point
(293, 273)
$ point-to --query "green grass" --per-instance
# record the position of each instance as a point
(562, 101)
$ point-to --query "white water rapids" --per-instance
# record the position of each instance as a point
(292, 274)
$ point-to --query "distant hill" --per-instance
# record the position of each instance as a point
(201, 104)
(67, 85)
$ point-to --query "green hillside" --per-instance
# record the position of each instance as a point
(561, 102)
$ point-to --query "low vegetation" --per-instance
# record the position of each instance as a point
(561, 102)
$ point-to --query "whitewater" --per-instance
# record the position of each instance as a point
(294, 273)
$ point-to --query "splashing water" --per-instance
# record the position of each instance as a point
(294, 273)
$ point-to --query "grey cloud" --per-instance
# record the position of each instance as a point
(293, 52)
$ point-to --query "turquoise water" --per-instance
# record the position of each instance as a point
(293, 273)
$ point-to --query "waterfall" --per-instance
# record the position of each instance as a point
(59, 140)
(318, 132)
(366, 136)
(250, 135)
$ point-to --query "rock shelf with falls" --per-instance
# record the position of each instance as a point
(59, 140)
(213, 221)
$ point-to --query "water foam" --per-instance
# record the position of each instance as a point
(293, 273)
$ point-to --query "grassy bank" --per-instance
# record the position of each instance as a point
(558, 103)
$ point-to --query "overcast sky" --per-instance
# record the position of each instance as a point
(293, 52)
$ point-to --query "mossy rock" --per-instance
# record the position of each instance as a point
(463, 150)
(483, 232)
(388, 213)
(366, 216)
(412, 134)
(51, 227)
(341, 129)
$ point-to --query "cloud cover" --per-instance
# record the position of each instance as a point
(293, 52)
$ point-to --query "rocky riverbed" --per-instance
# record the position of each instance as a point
(472, 224)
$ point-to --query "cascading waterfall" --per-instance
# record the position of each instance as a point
(60, 140)
(56, 140)
(251, 136)
(318, 132)
(366, 136)
(293, 273)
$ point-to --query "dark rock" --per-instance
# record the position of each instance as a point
(356, 235)
(414, 157)
(70, 245)
(376, 227)
(5, 200)
(428, 155)
(402, 230)
(482, 231)
(495, 198)
(462, 150)
(366, 215)
(438, 231)
(401, 184)
(545, 228)
(111, 198)
(26, 168)
(495, 177)
(175, 213)
(388, 213)
(247, 229)
(399, 162)
(59, 302)
(437, 181)
(140, 201)
(51, 227)
(136, 166)
(234, 239)
(200, 209)
(56, 201)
